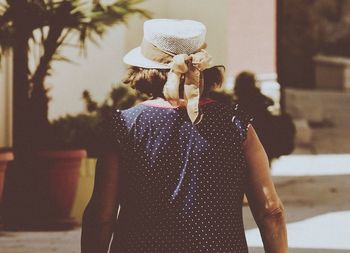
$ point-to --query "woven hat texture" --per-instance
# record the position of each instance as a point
(171, 36)
(175, 36)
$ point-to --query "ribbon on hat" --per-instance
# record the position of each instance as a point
(185, 66)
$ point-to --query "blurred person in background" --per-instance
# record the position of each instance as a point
(177, 165)
(250, 97)
(276, 133)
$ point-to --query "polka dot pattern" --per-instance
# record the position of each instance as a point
(182, 185)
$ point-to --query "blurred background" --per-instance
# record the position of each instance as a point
(61, 73)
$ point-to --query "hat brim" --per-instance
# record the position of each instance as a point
(135, 58)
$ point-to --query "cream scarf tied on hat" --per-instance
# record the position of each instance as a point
(185, 66)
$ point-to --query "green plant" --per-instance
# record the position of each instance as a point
(47, 24)
(86, 130)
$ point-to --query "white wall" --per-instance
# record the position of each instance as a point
(252, 40)
(6, 101)
(97, 72)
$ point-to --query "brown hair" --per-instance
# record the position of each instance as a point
(151, 81)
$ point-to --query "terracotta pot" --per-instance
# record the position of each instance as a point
(45, 191)
(5, 157)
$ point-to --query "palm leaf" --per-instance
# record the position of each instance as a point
(60, 57)
(93, 23)
(90, 21)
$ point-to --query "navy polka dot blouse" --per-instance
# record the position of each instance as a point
(181, 185)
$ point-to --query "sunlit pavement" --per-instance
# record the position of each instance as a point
(327, 231)
(40, 242)
(312, 165)
(314, 189)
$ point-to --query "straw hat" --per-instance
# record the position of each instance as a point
(172, 36)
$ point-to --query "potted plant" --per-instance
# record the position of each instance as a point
(42, 182)
(85, 129)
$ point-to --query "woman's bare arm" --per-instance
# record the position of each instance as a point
(100, 214)
(266, 206)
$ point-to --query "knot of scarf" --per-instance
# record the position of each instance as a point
(187, 68)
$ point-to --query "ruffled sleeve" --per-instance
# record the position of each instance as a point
(241, 120)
